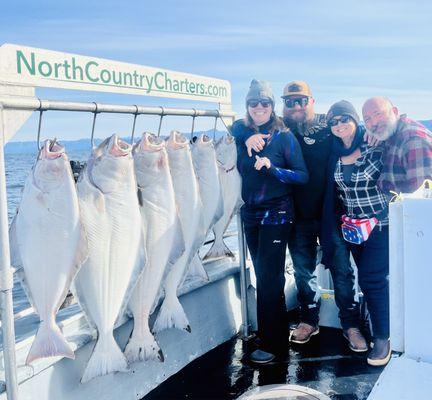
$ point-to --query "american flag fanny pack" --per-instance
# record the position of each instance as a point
(357, 231)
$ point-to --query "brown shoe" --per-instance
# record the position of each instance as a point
(356, 340)
(303, 333)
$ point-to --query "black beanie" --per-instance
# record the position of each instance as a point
(343, 107)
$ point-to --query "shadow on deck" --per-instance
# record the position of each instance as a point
(324, 364)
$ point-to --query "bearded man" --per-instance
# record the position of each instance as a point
(408, 146)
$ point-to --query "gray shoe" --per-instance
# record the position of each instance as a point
(356, 340)
(261, 357)
(380, 354)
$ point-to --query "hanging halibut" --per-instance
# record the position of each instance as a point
(107, 193)
(204, 158)
(230, 180)
(48, 242)
(190, 211)
(164, 241)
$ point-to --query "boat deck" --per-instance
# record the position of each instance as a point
(324, 364)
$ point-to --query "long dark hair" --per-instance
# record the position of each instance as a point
(276, 123)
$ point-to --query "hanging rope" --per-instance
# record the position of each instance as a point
(41, 111)
(160, 121)
(133, 125)
(215, 125)
(95, 112)
(193, 123)
(226, 127)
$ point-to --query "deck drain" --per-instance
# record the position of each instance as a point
(283, 392)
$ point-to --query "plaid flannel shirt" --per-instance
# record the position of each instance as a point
(407, 158)
(362, 197)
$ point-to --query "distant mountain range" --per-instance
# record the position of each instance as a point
(79, 145)
(84, 144)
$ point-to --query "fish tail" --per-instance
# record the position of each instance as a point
(171, 315)
(196, 270)
(142, 349)
(219, 250)
(106, 358)
(49, 342)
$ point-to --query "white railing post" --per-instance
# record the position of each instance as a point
(6, 282)
(245, 327)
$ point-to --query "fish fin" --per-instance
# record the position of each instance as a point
(82, 249)
(219, 250)
(140, 264)
(76, 292)
(178, 245)
(15, 255)
(143, 348)
(49, 342)
(177, 250)
(171, 315)
(106, 358)
(220, 209)
(81, 255)
(20, 274)
(196, 269)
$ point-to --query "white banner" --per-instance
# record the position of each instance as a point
(45, 68)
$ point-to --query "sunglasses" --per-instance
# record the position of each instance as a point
(264, 102)
(343, 119)
(291, 102)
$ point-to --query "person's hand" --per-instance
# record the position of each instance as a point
(262, 162)
(371, 140)
(255, 142)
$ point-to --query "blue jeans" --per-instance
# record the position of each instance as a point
(372, 259)
(303, 249)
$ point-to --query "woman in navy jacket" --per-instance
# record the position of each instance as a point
(267, 215)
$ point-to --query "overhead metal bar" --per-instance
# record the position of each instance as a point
(23, 103)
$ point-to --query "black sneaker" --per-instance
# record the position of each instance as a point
(261, 357)
(380, 354)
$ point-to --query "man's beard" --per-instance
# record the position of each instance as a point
(389, 130)
(298, 116)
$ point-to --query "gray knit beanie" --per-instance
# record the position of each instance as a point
(260, 90)
(343, 107)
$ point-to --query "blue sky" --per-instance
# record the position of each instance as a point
(351, 50)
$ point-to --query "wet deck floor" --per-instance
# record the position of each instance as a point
(324, 364)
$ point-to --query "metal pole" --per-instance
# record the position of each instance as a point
(6, 283)
(24, 103)
(245, 327)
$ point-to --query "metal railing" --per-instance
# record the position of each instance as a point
(6, 272)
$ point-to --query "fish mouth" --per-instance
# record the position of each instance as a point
(117, 147)
(229, 139)
(176, 140)
(150, 142)
(51, 150)
(202, 140)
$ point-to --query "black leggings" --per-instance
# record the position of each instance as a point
(267, 246)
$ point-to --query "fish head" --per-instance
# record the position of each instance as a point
(111, 166)
(203, 151)
(52, 166)
(150, 158)
(226, 151)
(176, 141)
